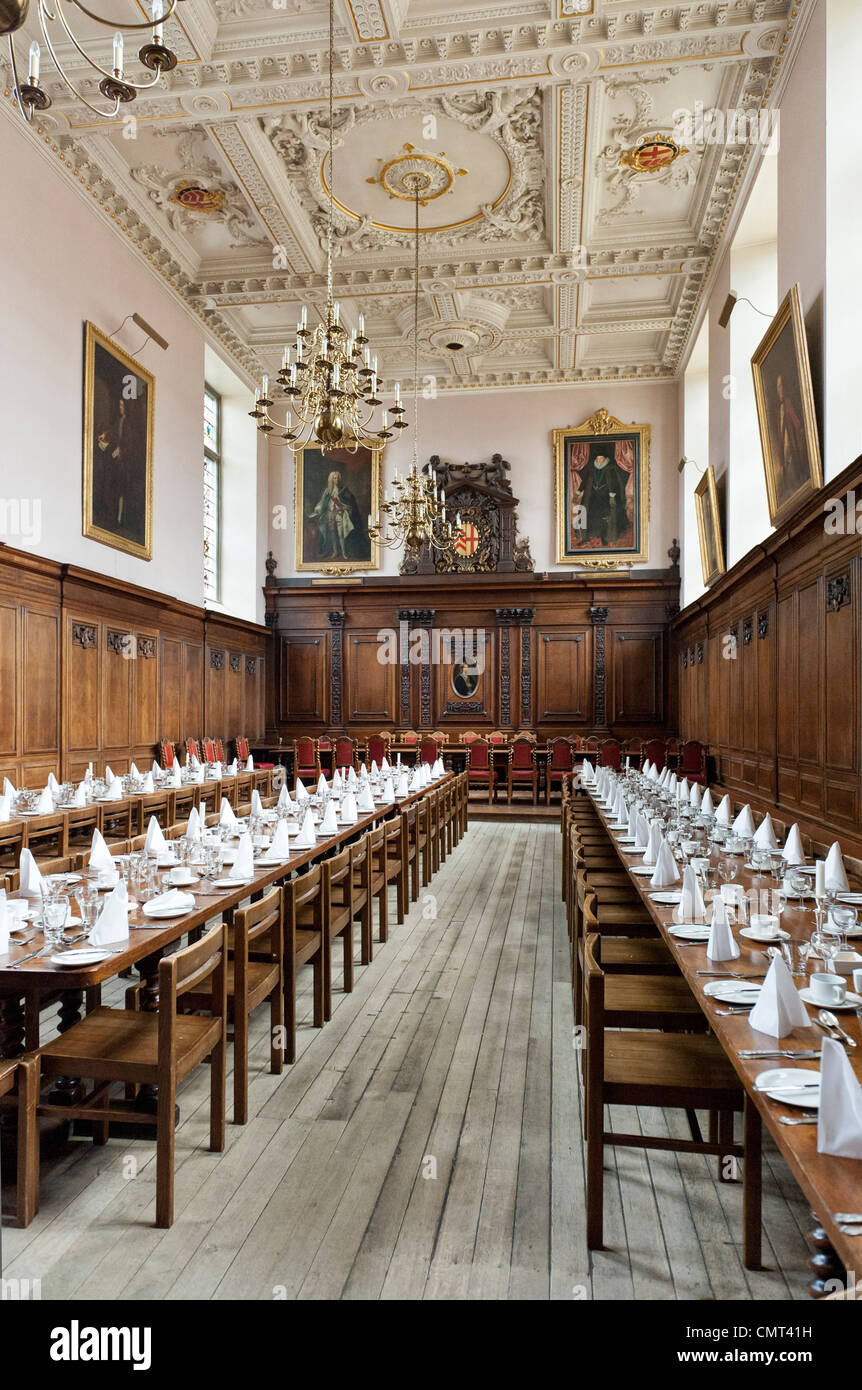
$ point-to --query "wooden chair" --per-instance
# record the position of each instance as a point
(410, 817)
(692, 761)
(159, 804)
(156, 1049)
(468, 736)
(561, 758)
(632, 748)
(377, 747)
(19, 1088)
(654, 750)
(522, 769)
(423, 838)
(209, 750)
(480, 767)
(591, 747)
(377, 856)
(306, 758)
(363, 903)
(255, 974)
(243, 753)
(668, 1070)
(167, 752)
(118, 819)
(47, 836)
(338, 915)
(409, 736)
(610, 753)
(344, 754)
(13, 837)
(393, 834)
(497, 738)
(429, 748)
(81, 821)
(303, 945)
(193, 749)
(184, 799)
(218, 749)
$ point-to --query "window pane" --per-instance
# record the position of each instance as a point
(211, 432)
(211, 498)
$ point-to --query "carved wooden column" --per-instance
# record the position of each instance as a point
(336, 674)
(599, 618)
(504, 621)
(409, 618)
(524, 618)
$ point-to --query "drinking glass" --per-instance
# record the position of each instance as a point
(839, 922)
(54, 917)
(800, 883)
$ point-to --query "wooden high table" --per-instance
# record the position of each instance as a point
(830, 1184)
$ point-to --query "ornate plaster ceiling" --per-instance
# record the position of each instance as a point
(547, 256)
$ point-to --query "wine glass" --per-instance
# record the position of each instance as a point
(839, 922)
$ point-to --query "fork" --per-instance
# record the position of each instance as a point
(797, 1119)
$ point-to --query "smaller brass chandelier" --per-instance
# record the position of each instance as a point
(415, 515)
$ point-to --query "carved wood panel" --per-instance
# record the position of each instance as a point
(636, 664)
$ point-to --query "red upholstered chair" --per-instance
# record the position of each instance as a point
(561, 756)
(345, 752)
(591, 747)
(655, 751)
(306, 759)
(468, 736)
(167, 753)
(523, 770)
(193, 749)
(692, 761)
(243, 752)
(610, 753)
(209, 750)
(409, 736)
(219, 750)
(429, 748)
(480, 767)
(633, 749)
(377, 748)
(497, 737)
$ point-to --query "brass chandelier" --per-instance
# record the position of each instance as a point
(329, 376)
(415, 514)
(115, 83)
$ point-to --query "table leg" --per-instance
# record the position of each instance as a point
(147, 1098)
(828, 1273)
(11, 1025)
(67, 1090)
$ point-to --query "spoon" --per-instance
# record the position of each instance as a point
(828, 1020)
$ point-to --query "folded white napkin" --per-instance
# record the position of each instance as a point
(691, 905)
(684, 789)
(249, 767)
(352, 779)
(403, 785)
(365, 803)
(300, 789)
(666, 871)
(778, 1009)
(588, 772)
(109, 776)
(149, 784)
(176, 778)
(233, 769)
(724, 814)
(226, 814)
(647, 768)
(5, 923)
(384, 764)
(133, 771)
(653, 843)
(694, 796)
(373, 768)
(53, 784)
(155, 841)
(196, 762)
(283, 798)
(306, 839)
(632, 827)
(329, 825)
(363, 771)
(217, 772)
(193, 827)
(336, 783)
(256, 803)
(793, 853)
(8, 789)
(5, 808)
(349, 812)
(45, 804)
(280, 847)
(31, 880)
(112, 923)
(197, 773)
(764, 835)
(80, 797)
(243, 864)
(387, 789)
(174, 899)
(744, 824)
(839, 1121)
(707, 806)
(155, 769)
(836, 875)
(115, 790)
(641, 832)
(438, 770)
(721, 945)
(101, 858)
(321, 785)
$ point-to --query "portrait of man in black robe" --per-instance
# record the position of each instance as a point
(600, 505)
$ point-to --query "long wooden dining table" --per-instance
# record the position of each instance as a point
(830, 1184)
(34, 978)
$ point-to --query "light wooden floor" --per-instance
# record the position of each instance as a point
(426, 1144)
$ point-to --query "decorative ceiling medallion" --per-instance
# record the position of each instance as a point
(653, 154)
(196, 198)
(399, 176)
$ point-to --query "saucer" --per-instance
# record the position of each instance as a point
(791, 1086)
(851, 1000)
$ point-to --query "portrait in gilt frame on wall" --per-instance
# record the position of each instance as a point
(709, 527)
(119, 414)
(336, 493)
(602, 493)
(785, 411)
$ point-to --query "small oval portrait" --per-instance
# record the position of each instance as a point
(465, 680)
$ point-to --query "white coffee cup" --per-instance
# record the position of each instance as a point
(700, 865)
(764, 925)
(180, 875)
(827, 988)
(857, 981)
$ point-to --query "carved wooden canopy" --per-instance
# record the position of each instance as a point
(482, 494)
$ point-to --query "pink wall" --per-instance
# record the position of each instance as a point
(63, 266)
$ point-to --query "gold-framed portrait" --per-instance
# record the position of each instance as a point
(785, 411)
(337, 495)
(119, 417)
(709, 527)
(601, 493)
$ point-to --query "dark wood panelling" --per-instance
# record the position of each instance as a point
(95, 670)
(779, 707)
(637, 677)
(540, 657)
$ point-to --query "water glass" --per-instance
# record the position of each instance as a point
(54, 919)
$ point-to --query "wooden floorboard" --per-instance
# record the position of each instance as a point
(425, 1144)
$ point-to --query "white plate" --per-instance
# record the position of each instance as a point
(734, 991)
(751, 934)
(851, 1000)
(165, 913)
(646, 869)
(853, 898)
(690, 931)
(625, 839)
(786, 1085)
(65, 878)
(669, 897)
(270, 863)
(230, 882)
(186, 882)
(86, 956)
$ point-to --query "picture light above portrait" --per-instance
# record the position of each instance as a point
(148, 329)
(730, 304)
